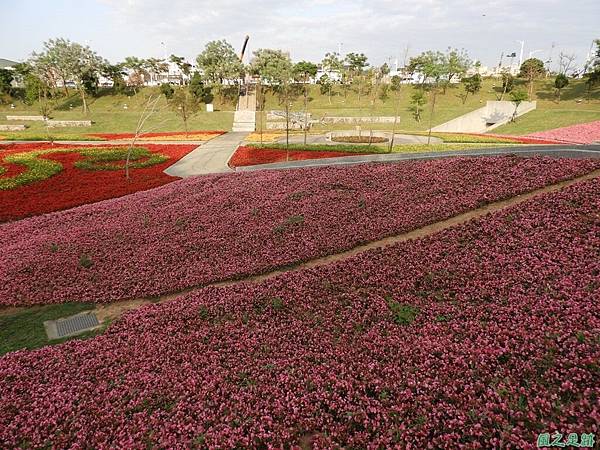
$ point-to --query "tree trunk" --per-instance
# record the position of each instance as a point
(431, 117)
(65, 86)
(396, 111)
(287, 125)
(83, 101)
(305, 111)
(259, 94)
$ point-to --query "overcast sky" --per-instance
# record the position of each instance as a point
(307, 29)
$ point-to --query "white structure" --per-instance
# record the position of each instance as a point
(492, 115)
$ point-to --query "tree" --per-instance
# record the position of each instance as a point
(431, 65)
(565, 62)
(53, 62)
(116, 73)
(6, 79)
(331, 63)
(325, 84)
(184, 66)
(155, 67)
(472, 85)
(531, 69)
(304, 70)
(508, 84)
(384, 93)
(517, 97)
(73, 62)
(184, 104)
(456, 63)
(357, 63)
(395, 86)
(89, 82)
(199, 89)
(35, 89)
(417, 103)
(138, 69)
(220, 62)
(167, 90)
(275, 68)
(560, 82)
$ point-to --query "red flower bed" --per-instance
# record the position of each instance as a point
(584, 133)
(251, 156)
(111, 136)
(479, 337)
(73, 187)
(205, 229)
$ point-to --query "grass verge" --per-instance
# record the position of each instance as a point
(25, 329)
(401, 148)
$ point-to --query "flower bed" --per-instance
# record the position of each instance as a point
(164, 136)
(40, 178)
(585, 133)
(216, 227)
(482, 336)
(251, 156)
(266, 137)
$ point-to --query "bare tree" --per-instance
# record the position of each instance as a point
(565, 62)
(148, 111)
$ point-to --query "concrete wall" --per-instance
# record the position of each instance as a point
(492, 115)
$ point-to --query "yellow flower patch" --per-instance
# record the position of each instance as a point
(266, 137)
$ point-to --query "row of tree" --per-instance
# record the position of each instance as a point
(63, 63)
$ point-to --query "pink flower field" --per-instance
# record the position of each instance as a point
(479, 337)
(201, 230)
(585, 133)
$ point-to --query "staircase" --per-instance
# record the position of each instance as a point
(244, 118)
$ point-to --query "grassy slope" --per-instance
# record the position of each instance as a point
(109, 116)
(25, 329)
(548, 115)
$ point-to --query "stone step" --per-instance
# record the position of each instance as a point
(244, 116)
(244, 127)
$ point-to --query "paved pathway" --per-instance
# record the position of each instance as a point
(588, 151)
(211, 157)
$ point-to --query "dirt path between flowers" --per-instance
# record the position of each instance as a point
(113, 311)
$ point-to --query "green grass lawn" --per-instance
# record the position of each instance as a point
(400, 148)
(108, 113)
(572, 109)
(109, 116)
(25, 329)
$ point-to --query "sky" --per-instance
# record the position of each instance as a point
(385, 30)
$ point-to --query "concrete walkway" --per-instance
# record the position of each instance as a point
(587, 151)
(211, 157)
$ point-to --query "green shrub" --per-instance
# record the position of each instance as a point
(101, 160)
(402, 313)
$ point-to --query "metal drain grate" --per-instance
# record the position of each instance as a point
(71, 326)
